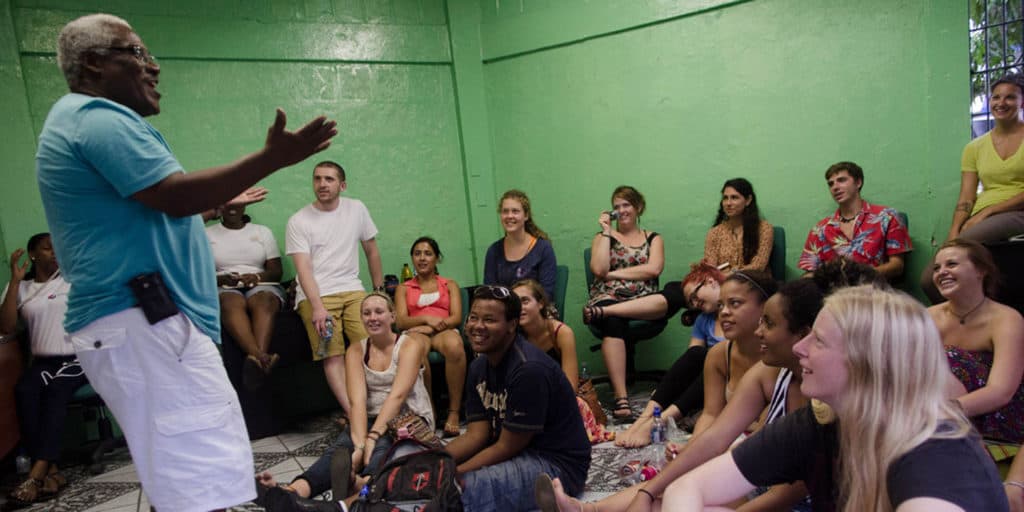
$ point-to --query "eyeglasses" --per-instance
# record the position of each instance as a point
(695, 301)
(491, 292)
(141, 54)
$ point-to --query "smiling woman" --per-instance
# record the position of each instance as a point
(525, 251)
(984, 339)
(739, 237)
(881, 435)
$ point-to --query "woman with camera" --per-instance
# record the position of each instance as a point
(626, 261)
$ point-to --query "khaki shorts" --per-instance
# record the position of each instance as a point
(343, 309)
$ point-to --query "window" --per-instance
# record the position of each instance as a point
(997, 38)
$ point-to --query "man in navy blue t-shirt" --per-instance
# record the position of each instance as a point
(522, 413)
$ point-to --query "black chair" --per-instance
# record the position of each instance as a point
(777, 258)
(1008, 255)
(94, 409)
(639, 330)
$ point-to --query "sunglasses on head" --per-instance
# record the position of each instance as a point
(493, 292)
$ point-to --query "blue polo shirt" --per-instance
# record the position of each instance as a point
(93, 155)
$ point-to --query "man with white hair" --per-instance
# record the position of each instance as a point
(142, 310)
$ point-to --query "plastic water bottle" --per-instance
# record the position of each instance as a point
(325, 339)
(656, 451)
(23, 464)
(657, 428)
(363, 493)
(584, 372)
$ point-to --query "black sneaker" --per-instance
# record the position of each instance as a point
(279, 500)
(341, 472)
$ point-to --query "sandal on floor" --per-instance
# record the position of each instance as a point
(622, 410)
(28, 492)
(54, 483)
(451, 429)
(592, 314)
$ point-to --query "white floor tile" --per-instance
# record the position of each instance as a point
(268, 445)
(126, 503)
(306, 462)
(286, 470)
(294, 441)
(121, 474)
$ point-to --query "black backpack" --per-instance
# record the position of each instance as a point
(418, 482)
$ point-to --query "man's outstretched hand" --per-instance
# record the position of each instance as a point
(287, 148)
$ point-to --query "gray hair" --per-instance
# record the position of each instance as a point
(86, 33)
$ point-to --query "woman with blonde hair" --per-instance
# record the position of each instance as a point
(525, 251)
(881, 436)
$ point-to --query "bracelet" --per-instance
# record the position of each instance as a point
(645, 491)
(373, 434)
(360, 447)
(607, 235)
(1014, 483)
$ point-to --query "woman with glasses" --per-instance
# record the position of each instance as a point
(432, 306)
(37, 297)
(773, 383)
(880, 435)
(681, 391)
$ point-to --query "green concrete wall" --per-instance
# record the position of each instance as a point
(444, 104)
(675, 97)
(382, 69)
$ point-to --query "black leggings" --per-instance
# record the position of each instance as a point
(683, 384)
(43, 393)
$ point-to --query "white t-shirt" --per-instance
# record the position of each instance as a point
(244, 251)
(42, 307)
(332, 240)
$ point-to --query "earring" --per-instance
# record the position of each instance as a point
(33, 259)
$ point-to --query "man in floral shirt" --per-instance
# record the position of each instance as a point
(859, 231)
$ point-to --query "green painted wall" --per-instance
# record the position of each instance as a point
(681, 95)
(382, 69)
(444, 104)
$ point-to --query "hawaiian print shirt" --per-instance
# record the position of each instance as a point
(877, 234)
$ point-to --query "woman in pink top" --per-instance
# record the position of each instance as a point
(432, 305)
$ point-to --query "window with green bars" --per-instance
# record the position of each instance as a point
(997, 40)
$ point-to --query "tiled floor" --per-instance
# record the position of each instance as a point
(285, 456)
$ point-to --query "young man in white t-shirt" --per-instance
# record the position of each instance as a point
(323, 239)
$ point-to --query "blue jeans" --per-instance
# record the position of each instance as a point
(507, 486)
(319, 474)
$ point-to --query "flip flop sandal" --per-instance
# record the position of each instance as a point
(28, 492)
(622, 404)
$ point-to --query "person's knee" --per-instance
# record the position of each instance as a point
(264, 302)
(231, 302)
(451, 348)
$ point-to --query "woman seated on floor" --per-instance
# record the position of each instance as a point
(626, 261)
(37, 295)
(432, 305)
(540, 327)
(385, 379)
(739, 237)
(681, 391)
(741, 303)
(773, 383)
(880, 436)
(525, 251)
(984, 339)
(248, 270)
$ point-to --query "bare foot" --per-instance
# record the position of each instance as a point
(638, 434)
(565, 502)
